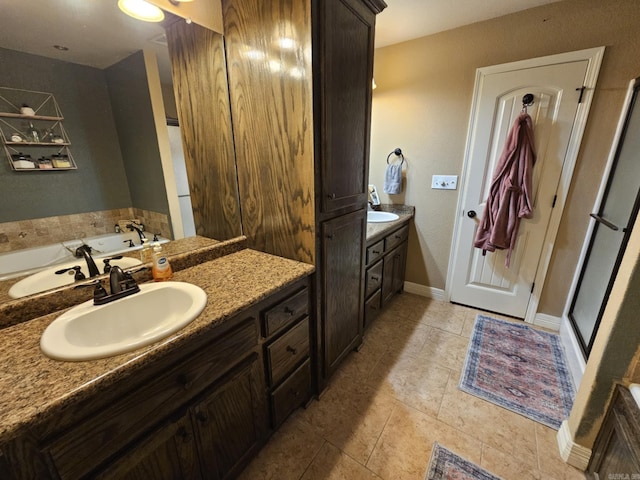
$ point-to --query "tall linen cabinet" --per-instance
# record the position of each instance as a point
(299, 74)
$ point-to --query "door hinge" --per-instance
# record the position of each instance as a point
(581, 89)
(553, 205)
(533, 285)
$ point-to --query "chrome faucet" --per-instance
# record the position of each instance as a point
(85, 251)
(139, 229)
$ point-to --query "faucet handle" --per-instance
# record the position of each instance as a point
(78, 273)
(99, 291)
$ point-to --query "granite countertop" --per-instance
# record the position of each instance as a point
(34, 387)
(376, 231)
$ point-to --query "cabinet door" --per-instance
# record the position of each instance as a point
(393, 272)
(342, 289)
(345, 47)
(231, 421)
(167, 453)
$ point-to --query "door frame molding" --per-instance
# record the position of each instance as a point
(594, 58)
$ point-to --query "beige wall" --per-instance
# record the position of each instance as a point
(422, 105)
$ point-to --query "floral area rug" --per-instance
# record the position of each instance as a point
(519, 368)
(446, 465)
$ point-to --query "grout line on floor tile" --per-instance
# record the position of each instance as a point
(313, 459)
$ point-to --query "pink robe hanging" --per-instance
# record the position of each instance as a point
(510, 192)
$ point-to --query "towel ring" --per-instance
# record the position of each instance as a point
(398, 153)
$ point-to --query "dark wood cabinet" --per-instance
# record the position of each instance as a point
(167, 453)
(301, 127)
(229, 423)
(616, 452)
(385, 270)
(343, 46)
(202, 410)
(342, 253)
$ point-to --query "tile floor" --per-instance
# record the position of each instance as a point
(390, 401)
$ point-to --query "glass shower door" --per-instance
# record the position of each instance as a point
(614, 222)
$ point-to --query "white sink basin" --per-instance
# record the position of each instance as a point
(47, 279)
(88, 332)
(381, 217)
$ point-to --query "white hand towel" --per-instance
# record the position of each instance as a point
(393, 179)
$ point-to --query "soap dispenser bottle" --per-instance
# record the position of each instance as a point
(161, 268)
(146, 253)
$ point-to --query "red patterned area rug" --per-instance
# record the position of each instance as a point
(446, 465)
(519, 368)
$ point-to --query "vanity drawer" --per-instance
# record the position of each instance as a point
(396, 237)
(103, 433)
(374, 279)
(295, 391)
(289, 310)
(375, 251)
(287, 351)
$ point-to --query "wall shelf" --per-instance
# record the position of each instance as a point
(25, 137)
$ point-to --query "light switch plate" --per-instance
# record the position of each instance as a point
(444, 182)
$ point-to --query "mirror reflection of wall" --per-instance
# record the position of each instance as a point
(111, 118)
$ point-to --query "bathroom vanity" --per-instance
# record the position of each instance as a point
(199, 403)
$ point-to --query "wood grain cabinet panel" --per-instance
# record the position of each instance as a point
(348, 31)
(294, 390)
(230, 423)
(616, 452)
(287, 351)
(286, 312)
(166, 454)
(343, 254)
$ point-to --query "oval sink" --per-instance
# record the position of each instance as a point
(88, 332)
(47, 279)
(381, 217)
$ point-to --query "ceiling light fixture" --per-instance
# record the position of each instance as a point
(141, 10)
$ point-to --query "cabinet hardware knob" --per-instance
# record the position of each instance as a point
(332, 196)
(398, 236)
(374, 308)
(183, 380)
(202, 418)
(289, 310)
(375, 251)
(375, 277)
(292, 350)
(331, 236)
(397, 255)
(182, 433)
(471, 213)
(295, 393)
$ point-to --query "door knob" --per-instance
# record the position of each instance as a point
(471, 213)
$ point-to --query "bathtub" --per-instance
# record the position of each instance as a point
(31, 260)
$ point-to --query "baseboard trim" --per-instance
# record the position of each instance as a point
(547, 321)
(424, 291)
(572, 453)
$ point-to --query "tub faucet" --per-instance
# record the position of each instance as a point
(139, 229)
(85, 251)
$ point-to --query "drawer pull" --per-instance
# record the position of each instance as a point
(397, 237)
(184, 435)
(289, 310)
(376, 252)
(202, 418)
(331, 236)
(373, 308)
(332, 196)
(183, 380)
(294, 392)
(375, 277)
(292, 350)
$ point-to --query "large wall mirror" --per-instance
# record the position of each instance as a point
(111, 77)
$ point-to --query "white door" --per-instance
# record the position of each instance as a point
(483, 281)
(182, 182)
